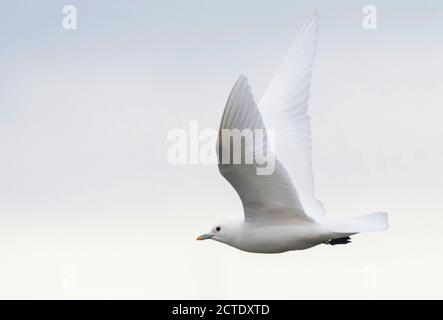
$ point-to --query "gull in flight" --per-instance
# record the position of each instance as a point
(281, 212)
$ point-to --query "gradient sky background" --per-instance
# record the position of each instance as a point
(90, 207)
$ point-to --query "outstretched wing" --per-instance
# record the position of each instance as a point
(267, 198)
(284, 108)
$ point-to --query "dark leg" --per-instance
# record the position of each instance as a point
(344, 240)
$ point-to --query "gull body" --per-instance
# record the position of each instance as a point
(281, 211)
(262, 238)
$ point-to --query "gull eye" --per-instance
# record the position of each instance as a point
(218, 228)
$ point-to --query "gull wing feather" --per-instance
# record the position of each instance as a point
(284, 108)
(266, 198)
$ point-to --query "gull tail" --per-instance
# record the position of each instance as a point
(376, 221)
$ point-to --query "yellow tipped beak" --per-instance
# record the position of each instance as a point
(205, 236)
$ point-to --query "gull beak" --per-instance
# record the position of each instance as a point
(205, 236)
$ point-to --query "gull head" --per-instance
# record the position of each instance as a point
(221, 232)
